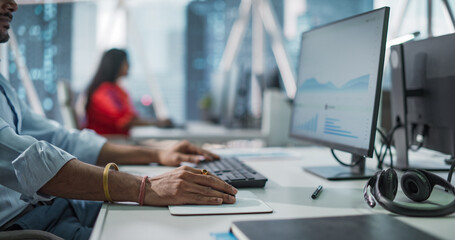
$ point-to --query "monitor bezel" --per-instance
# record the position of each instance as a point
(354, 150)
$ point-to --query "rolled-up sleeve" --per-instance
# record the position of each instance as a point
(33, 153)
(27, 164)
(85, 144)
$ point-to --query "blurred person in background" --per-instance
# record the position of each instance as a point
(109, 107)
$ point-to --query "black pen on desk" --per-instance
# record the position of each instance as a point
(317, 192)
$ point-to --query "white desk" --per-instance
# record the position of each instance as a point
(288, 192)
(195, 131)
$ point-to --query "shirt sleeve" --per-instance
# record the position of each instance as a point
(26, 164)
(85, 144)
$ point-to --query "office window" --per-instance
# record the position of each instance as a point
(155, 40)
(411, 18)
(314, 13)
(43, 34)
(209, 24)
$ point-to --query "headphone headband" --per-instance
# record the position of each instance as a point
(437, 180)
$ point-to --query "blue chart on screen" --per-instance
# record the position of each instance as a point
(331, 127)
(357, 84)
(327, 108)
(311, 125)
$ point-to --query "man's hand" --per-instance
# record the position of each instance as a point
(186, 185)
(184, 152)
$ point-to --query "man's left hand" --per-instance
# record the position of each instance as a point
(184, 151)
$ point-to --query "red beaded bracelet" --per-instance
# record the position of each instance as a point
(142, 191)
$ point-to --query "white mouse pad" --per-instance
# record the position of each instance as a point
(246, 202)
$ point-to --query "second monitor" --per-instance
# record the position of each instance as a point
(338, 89)
(423, 82)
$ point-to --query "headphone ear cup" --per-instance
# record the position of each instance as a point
(416, 185)
(388, 184)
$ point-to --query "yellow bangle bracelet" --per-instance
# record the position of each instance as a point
(105, 180)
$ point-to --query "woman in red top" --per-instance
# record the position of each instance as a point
(109, 107)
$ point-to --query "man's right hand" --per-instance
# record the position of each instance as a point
(186, 185)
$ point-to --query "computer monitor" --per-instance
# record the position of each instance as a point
(422, 99)
(338, 89)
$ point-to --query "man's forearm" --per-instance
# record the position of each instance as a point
(126, 154)
(183, 185)
(79, 180)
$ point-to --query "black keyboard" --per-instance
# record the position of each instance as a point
(234, 172)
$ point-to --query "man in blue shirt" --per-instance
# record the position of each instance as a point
(39, 159)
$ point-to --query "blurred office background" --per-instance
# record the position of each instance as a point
(175, 48)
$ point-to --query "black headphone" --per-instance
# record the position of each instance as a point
(416, 184)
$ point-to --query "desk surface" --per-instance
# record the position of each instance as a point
(288, 192)
(195, 131)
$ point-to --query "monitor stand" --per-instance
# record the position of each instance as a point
(404, 164)
(335, 173)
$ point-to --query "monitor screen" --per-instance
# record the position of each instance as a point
(339, 83)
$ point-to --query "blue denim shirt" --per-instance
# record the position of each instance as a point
(32, 151)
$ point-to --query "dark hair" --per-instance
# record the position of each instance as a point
(108, 70)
